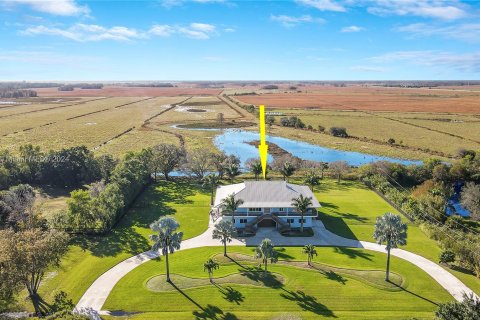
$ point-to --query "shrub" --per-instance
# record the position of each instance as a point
(447, 257)
(338, 132)
(321, 128)
(309, 127)
(293, 121)
(391, 141)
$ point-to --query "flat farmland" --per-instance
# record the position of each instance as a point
(445, 134)
(372, 99)
(87, 127)
(198, 109)
(121, 91)
(44, 114)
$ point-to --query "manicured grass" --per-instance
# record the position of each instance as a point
(350, 209)
(308, 293)
(89, 257)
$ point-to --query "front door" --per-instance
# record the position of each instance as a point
(266, 210)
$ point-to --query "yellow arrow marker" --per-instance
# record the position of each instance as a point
(263, 147)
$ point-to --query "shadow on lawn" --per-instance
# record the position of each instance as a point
(152, 204)
(257, 274)
(353, 253)
(230, 294)
(337, 223)
(209, 312)
(307, 302)
(414, 294)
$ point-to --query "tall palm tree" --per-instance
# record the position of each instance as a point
(390, 229)
(230, 205)
(266, 251)
(211, 181)
(256, 168)
(166, 238)
(232, 170)
(312, 179)
(224, 231)
(210, 266)
(301, 205)
(310, 251)
(287, 170)
(323, 166)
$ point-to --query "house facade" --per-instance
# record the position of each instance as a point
(266, 204)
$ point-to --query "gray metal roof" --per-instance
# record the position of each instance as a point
(265, 194)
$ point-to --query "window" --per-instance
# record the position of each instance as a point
(243, 220)
(281, 209)
(290, 220)
(300, 220)
(255, 209)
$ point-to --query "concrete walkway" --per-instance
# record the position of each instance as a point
(97, 293)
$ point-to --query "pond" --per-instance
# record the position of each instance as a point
(234, 141)
(453, 205)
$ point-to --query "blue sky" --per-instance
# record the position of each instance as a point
(239, 40)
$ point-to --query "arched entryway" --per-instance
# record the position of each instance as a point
(267, 222)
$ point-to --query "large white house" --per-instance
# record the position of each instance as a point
(266, 204)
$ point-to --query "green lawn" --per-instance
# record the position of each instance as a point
(352, 288)
(350, 209)
(89, 257)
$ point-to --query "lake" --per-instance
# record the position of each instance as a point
(235, 141)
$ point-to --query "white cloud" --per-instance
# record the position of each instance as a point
(323, 5)
(204, 27)
(175, 3)
(368, 69)
(469, 32)
(56, 7)
(352, 29)
(91, 32)
(229, 30)
(469, 62)
(162, 30)
(441, 9)
(291, 21)
(87, 32)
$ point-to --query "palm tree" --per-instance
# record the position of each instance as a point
(167, 240)
(390, 229)
(210, 266)
(230, 205)
(266, 251)
(211, 181)
(224, 231)
(310, 251)
(232, 171)
(287, 170)
(256, 168)
(323, 166)
(312, 179)
(301, 205)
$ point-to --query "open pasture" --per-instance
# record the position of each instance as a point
(440, 133)
(372, 99)
(92, 126)
(122, 91)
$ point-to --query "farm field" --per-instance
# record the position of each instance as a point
(94, 121)
(439, 133)
(371, 99)
(91, 125)
(121, 91)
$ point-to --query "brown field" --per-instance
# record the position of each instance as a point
(118, 91)
(372, 99)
